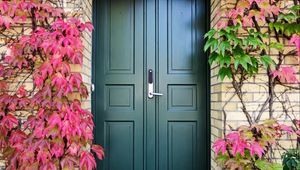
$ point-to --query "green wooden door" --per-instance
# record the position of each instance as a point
(166, 132)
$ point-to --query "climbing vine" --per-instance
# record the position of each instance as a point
(42, 124)
(240, 46)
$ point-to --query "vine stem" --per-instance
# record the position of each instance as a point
(237, 88)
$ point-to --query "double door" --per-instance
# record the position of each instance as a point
(150, 76)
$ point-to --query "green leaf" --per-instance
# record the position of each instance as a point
(210, 34)
(266, 61)
(236, 64)
(253, 69)
(212, 58)
(222, 159)
(295, 8)
(276, 166)
(224, 45)
(244, 61)
(253, 41)
(225, 72)
(290, 17)
(278, 27)
(265, 165)
(276, 45)
(211, 43)
(225, 60)
(271, 26)
(223, 32)
(240, 58)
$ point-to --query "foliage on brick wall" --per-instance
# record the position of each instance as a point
(37, 83)
(242, 47)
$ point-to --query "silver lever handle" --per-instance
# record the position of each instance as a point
(157, 94)
(151, 94)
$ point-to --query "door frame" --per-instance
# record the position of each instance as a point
(95, 52)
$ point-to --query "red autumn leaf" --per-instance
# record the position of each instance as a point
(9, 121)
(38, 81)
(87, 161)
(74, 148)
(234, 136)
(77, 58)
(295, 40)
(286, 75)
(3, 85)
(89, 26)
(57, 150)
(17, 137)
(219, 145)
(43, 155)
(54, 120)
(99, 151)
(6, 21)
(48, 165)
(286, 128)
(59, 80)
(255, 148)
(68, 162)
(239, 147)
(4, 6)
(22, 92)
(30, 122)
(23, 102)
(46, 69)
(76, 80)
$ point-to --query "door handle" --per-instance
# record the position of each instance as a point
(157, 94)
(151, 94)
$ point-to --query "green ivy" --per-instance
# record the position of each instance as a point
(230, 51)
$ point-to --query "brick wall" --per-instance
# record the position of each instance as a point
(216, 88)
(224, 100)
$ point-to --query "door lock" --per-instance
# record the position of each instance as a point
(151, 94)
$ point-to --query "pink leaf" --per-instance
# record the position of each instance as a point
(59, 80)
(17, 137)
(286, 128)
(87, 161)
(219, 145)
(43, 155)
(54, 120)
(76, 80)
(46, 69)
(57, 150)
(286, 75)
(295, 40)
(234, 136)
(89, 26)
(239, 147)
(9, 121)
(99, 151)
(74, 148)
(68, 162)
(22, 92)
(255, 148)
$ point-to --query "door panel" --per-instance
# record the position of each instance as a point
(138, 133)
(119, 84)
(182, 111)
